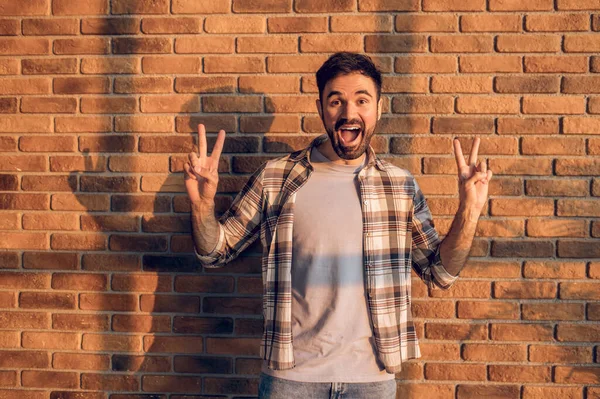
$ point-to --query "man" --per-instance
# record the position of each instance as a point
(341, 230)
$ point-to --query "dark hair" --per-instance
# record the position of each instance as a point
(344, 63)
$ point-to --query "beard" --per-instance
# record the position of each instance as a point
(350, 144)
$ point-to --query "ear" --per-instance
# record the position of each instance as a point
(379, 108)
(319, 108)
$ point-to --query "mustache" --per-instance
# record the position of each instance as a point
(343, 122)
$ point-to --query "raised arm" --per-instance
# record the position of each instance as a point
(473, 180)
(201, 181)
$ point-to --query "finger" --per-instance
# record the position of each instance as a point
(194, 160)
(489, 175)
(189, 174)
(460, 158)
(218, 148)
(478, 176)
(482, 166)
(474, 151)
(202, 141)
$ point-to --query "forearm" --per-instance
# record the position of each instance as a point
(455, 248)
(205, 227)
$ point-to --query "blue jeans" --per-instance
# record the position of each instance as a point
(278, 388)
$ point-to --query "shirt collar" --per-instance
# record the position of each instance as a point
(304, 155)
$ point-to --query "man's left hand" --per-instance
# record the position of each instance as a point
(473, 178)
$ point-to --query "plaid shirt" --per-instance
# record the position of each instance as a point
(398, 234)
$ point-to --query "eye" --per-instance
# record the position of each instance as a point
(335, 102)
(363, 101)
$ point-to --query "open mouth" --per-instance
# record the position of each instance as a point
(350, 135)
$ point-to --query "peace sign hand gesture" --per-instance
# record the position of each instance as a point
(202, 171)
(473, 177)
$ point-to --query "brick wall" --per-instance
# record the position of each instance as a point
(100, 296)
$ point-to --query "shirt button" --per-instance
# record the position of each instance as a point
(365, 202)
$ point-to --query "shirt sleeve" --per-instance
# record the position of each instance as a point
(240, 225)
(426, 259)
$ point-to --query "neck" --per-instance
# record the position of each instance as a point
(327, 149)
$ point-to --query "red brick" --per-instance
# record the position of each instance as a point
(25, 86)
(205, 45)
(86, 45)
(204, 84)
(528, 44)
(462, 331)
(506, 373)
(461, 44)
(268, 84)
(171, 25)
(426, 23)
(461, 84)
(109, 382)
(527, 84)
(490, 23)
(266, 44)
(8, 144)
(50, 260)
(50, 379)
(262, 6)
(114, 143)
(297, 24)
(460, 372)
(53, 340)
(48, 105)
(516, 5)
(13, 320)
(195, 7)
(139, 7)
(110, 262)
(10, 27)
(80, 322)
(64, 163)
(234, 64)
(528, 125)
(423, 104)
(494, 352)
(141, 283)
(560, 311)
(582, 43)
(109, 66)
(80, 362)
(490, 63)
(49, 66)
(562, 22)
(56, 26)
(47, 300)
(89, 242)
(141, 45)
(139, 163)
(24, 46)
(555, 187)
(110, 26)
(85, 85)
(294, 63)
(521, 332)
(109, 105)
(158, 383)
(487, 105)
(577, 167)
(560, 354)
(367, 23)
(581, 84)
(533, 392)
(319, 43)
(577, 375)
(316, 6)
(491, 269)
(139, 323)
(90, 7)
(577, 5)
(36, 221)
(556, 228)
(471, 391)
(172, 64)
(169, 344)
(555, 64)
(553, 105)
(425, 64)
(80, 202)
(575, 207)
(487, 310)
(235, 24)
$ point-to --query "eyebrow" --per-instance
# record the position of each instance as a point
(335, 93)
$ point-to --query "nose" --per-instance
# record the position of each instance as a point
(349, 111)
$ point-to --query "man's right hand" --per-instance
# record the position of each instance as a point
(202, 171)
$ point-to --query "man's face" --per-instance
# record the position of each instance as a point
(350, 110)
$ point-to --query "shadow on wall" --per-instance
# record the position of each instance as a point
(162, 311)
